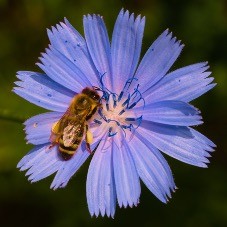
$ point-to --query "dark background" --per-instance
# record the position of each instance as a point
(201, 199)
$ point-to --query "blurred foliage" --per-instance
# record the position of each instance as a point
(201, 198)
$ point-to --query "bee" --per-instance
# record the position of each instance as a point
(70, 130)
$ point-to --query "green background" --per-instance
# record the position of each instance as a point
(201, 199)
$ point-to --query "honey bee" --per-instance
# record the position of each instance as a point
(70, 130)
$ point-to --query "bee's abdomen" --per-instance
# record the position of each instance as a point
(67, 152)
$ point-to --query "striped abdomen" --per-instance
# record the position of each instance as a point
(70, 140)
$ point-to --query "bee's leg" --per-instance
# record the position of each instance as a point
(88, 139)
(54, 143)
(54, 139)
(55, 135)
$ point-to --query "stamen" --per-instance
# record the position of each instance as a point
(122, 111)
(130, 119)
(129, 82)
(106, 97)
(102, 115)
(107, 106)
(110, 134)
(136, 91)
(123, 129)
(130, 107)
(126, 101)
(111, 120)
(126, 126)
(101, 80)
(97, 121)
(104, 88)
(114, 106)
(120, 96)
(115, 101)
(139, 120)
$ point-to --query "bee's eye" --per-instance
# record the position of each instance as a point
(96, 97)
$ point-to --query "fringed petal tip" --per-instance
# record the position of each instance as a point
(67, 169)
(43, 161)
(106, 213)
(126, 13)
(125, 47)
(60, 186)
(184, 84)
(171, 112)
(167, 197)
(125, 204)
(103, 214)
(37, 88)
(167, 34)
(158, 60)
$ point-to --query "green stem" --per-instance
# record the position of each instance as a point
(9, 116)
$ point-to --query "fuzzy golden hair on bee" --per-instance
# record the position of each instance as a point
(73, 127)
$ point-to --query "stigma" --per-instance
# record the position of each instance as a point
(117, 109)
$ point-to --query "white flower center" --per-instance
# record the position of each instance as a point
(117, 110)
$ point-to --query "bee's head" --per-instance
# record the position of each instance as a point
(92, 93)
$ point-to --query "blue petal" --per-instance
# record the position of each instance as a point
(65, 39)
(52, 166)
(69, 168)
(207, 144)
(184, 84)
(29, 156)
(125, 174)
(101, 194)
(98, 45)
(60, 69)
(45, 165)
(180, 142)
(171, 113)
(38, 128)
(70, 43)
(43, 161)
(152, 167)
(42, 91)
(125, 47)
(158, 60)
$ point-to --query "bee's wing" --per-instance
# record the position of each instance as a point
(58, 127)
(73, 132)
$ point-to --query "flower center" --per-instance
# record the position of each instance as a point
(117, 109)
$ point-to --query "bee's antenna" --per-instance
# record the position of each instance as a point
(96, 88)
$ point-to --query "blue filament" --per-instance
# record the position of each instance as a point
(97, 121)
(120, 96)
(126, 101)
(102, 115)
(122, 111)
(130, 107)
(129, 82)
(110, 133)
(132, 123)
(114, 100)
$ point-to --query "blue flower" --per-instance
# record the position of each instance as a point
(145, 110)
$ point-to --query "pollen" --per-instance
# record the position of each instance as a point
(89, 136)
